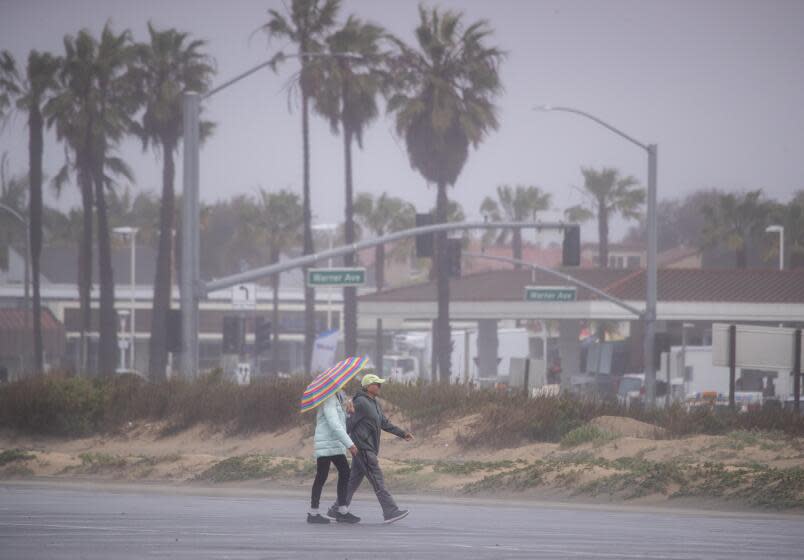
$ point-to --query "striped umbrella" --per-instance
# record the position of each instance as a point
(331, 381)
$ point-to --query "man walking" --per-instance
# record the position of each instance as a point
(365, 425)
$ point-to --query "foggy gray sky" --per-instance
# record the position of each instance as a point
(718, 85)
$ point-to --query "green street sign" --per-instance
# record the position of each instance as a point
(550, 293)
(336, 276)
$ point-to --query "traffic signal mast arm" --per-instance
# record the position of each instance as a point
(306, 260)
(561, 275)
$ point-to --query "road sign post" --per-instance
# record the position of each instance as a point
(336, 276)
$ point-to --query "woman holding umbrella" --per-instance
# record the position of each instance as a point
(331, 440)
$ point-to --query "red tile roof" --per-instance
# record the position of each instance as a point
(717, 285)
(696, 285)
(500, 285)
(14, 320)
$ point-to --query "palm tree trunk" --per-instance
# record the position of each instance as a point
(275, 315)
(603, 234)
(108, 321)
(309, 293)
(85, 259)
(163, 284)
(517, 243)
(349, 293)
(35, 148)
(444, 336)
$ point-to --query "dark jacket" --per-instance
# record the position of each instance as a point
(367, 421)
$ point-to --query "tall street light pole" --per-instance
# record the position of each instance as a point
(650, 295)
(27, 273)
(191, 288)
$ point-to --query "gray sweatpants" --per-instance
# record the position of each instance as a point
(366, 464)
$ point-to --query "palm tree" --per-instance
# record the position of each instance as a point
(276, 221)
(40, 83)
(12, 194)
(348, 98)
(167, 66)
(444, 104)
(9, 84)
(92, 111)
(117, 101)
(513, 204)
(306, 25)
(9, 90)
(607, 194)
(382, 215)
(140, 210)
(71, 112)
(733, 220)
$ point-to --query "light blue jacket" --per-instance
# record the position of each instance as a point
(330, 429)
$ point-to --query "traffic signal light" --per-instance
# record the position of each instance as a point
(454, 257)
(262, 335)
(424, 242)
(234, 335)
(571, 250)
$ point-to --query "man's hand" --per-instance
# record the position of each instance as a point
(350, 407)
(409, 437)
(353, 450)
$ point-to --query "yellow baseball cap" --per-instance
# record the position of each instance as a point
(370, 379)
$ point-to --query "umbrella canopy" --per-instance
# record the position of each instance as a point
(331, 381)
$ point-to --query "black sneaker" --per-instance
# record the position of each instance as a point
(332, 513)
(396, 516)
(347, 518)
(317, 518)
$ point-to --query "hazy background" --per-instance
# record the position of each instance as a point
(718, 85)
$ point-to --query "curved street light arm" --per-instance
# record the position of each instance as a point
(273, 61)
(597, 120)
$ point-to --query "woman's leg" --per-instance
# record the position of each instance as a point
(321, 474)
(343, 477)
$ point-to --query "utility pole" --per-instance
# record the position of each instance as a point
(190, 271)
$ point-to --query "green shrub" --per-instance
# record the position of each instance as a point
(13, 455)
(470, 467)
(53, 406)
(96, 462)
(79, 406)
(585, 434)
(515, 419)
(250, 467)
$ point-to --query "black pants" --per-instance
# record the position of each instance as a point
(321, 474)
